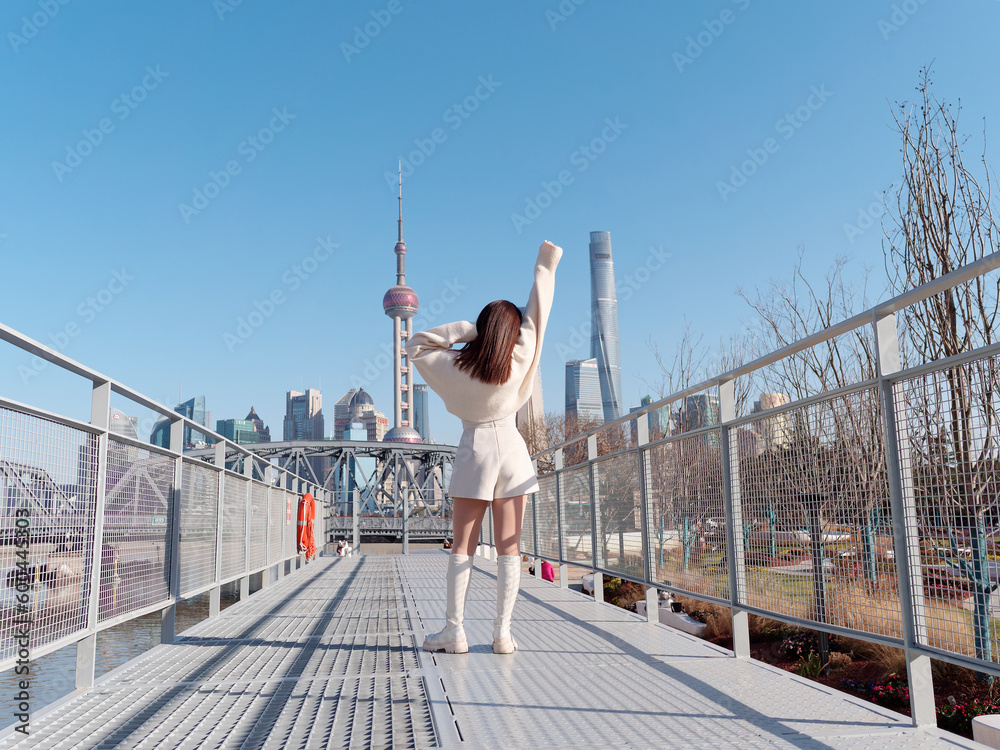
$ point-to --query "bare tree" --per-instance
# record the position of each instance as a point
(942, 220)
(787, 311)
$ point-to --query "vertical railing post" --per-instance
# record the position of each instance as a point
(648, 567)
(355, 518)
(734, 521)
(247, 515)
(400, 501)
(169, 614)
(905, 530)
(561, 530)
(265, 576)
(559, 458)
(282, 522)
(534, 519)
(86, 648)
(215, 595)
(596, 549)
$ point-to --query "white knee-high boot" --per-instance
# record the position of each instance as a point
(452, 638)
(508, 583)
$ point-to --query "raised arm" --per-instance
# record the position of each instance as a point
(440, 338)
(536, 312)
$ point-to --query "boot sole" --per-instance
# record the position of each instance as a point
(504, 647)
(451, 648)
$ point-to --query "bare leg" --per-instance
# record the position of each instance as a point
(466, 520)
(508, 517)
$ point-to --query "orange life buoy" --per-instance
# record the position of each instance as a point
(306, 530)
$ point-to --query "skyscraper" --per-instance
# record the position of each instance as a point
(583, 391)
(659, 419)
(774, 429)
(122, 424)
(357, 407)
(604, 345)
(342, 415)
(194, 409)
(400, 303)
(263, 433)
(421, 419)
(241, 431)
(303, 415)
(700, 411)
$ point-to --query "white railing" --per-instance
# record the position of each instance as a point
(871, 511)
(107, 528)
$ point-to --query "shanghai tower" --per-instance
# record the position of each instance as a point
(604, 324)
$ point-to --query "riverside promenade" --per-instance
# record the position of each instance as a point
(329, 658)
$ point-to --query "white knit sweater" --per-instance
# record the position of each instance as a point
(471, 399)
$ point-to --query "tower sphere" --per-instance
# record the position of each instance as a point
(400, 302)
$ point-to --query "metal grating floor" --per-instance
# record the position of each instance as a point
(324, 659)
(328, 658)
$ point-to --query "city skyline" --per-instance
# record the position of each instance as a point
(495, 157)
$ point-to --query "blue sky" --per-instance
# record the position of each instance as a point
(287, 118)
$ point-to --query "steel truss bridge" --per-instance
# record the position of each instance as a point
(396, 490)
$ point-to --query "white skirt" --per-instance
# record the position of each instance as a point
(492, 461)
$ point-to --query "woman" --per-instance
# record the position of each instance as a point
(485, 383)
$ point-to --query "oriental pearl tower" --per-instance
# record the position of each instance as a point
(400, 303)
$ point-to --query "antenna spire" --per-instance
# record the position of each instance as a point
(400, 201)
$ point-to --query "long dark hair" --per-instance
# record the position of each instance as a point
(488, 358)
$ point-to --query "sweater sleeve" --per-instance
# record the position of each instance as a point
(441, 338)
(536, 312)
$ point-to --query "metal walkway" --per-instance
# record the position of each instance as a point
(328, 658)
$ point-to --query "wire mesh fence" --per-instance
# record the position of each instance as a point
(687, 514)
(948, 422)
(527, 544)
(135, 549)
(619, 529)
(822, 506)
(199, 522)
(234, 525)
(577, 533)
(48, 477)
(258, 525)
(547, 520)
(278, 517)
(814, 499)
